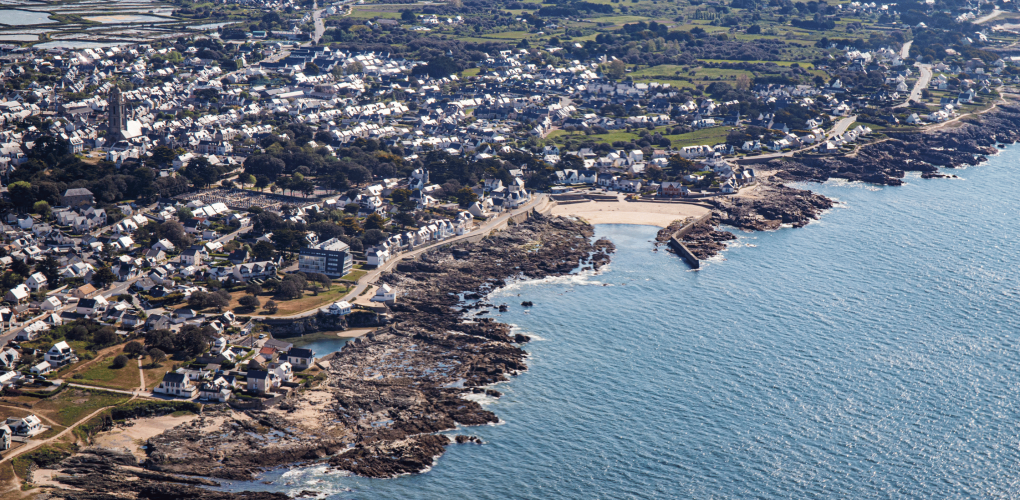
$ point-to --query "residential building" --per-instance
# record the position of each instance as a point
(331, 257)
(29, 425)
(177, 385)
(262, 381)
(60, 354)
(300, 359)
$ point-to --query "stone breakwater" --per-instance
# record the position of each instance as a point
(387, 395)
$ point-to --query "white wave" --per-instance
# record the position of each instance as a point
(583, 278)
(480, 398)
(852, 184)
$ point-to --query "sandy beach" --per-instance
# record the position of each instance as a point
(629, 212)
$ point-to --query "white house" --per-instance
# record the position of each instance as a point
(300, 358)
(60, 354)
(42, 368)
(176, 384)
(340, 308)
(29, 425)
(50, 304)
(385, 294)
(36, 281)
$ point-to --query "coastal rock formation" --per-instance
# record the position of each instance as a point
(107, 474)
(885, 161)
(387, 394)
(403, 376)
(704, 241)
(772, 206)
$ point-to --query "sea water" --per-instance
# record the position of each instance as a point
(872, 354)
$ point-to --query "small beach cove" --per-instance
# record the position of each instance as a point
(796, 364)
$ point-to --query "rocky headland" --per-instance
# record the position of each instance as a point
(387, 395)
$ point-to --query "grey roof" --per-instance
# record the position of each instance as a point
(78, 192)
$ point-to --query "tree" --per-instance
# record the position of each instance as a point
(79, 332)
(157, 356)
(193, 339)
(250, 302)
(375, 221)
(439, 67)
(407, 16)
(103, 277)
(272, 306)
(404, 219)
(134, 348)
(50, 268)
(401, 195)
(253, 289)
(466, 196)
(104, 336)
(373, 236)
(184, 213)
(264, 165)
(120, 361)
(263, 250)
(42, 207)
(21, 193)
(163, 155)
(289, 289)
(246, 179)
(615, 69)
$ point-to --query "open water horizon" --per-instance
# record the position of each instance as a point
(871, 354)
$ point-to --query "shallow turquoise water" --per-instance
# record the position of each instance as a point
(873, 354)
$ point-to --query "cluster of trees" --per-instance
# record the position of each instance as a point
(204, 300)
(172, 231)
(191, 340)
(51, 170)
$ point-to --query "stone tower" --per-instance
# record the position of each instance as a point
(118, 116)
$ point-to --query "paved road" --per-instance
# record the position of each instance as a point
(838, 129)
(921, 84)
(320, 27)
(538, 201)
(984, 19)
(905, 49)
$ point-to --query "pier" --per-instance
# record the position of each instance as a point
(678, 246)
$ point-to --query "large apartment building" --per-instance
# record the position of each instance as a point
(331, 257)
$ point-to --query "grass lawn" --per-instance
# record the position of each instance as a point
(710, 136)
(308, 301)
(154, 375)
(508, 35)
(73, 404)
(103, 374)
(470, 72)
(354, 275)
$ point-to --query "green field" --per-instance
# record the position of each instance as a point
(103, 374)
(710, 136)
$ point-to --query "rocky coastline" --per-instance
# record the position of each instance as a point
(885, 161)
(389, 394)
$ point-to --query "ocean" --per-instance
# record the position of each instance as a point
(872, 354)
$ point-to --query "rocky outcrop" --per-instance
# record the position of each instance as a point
(103, 473)
(885, 162)
(704, 241)
(772, 206)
